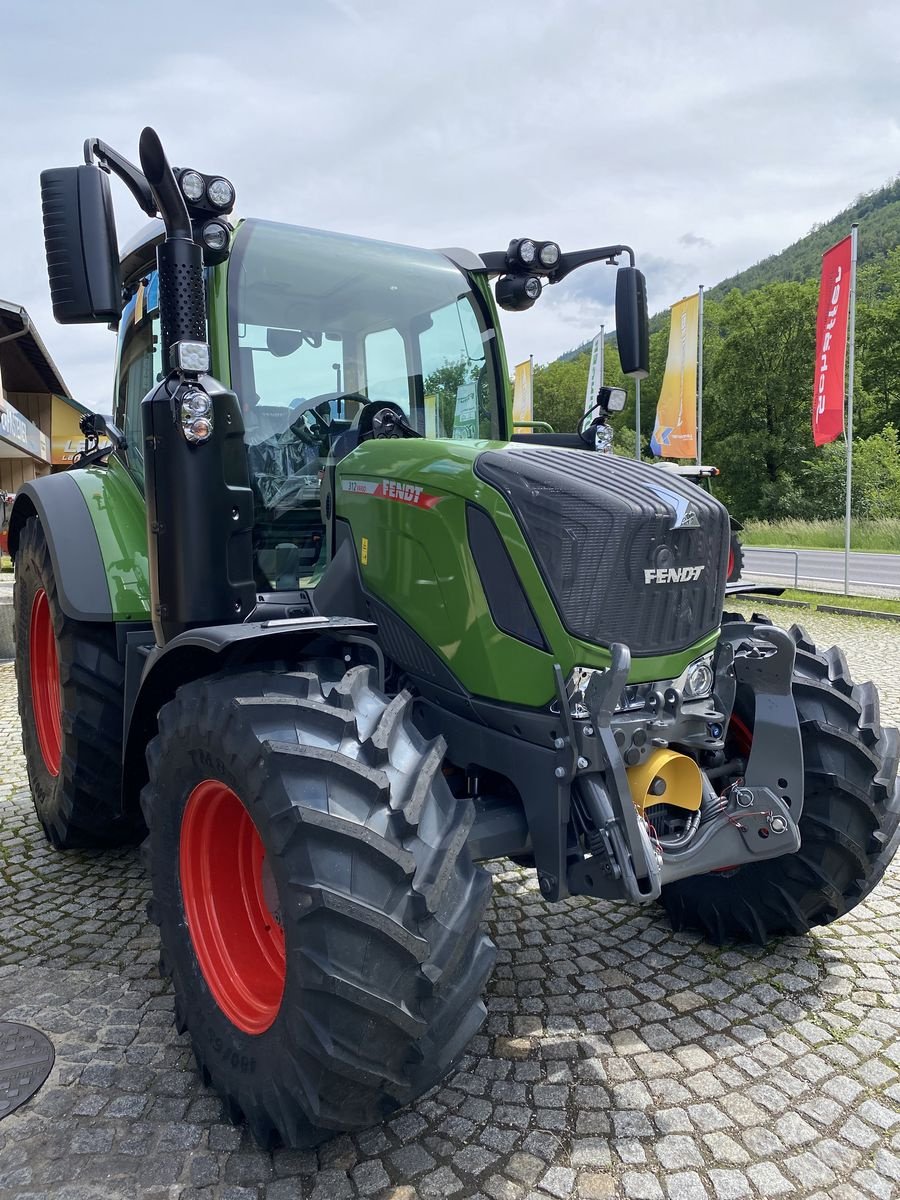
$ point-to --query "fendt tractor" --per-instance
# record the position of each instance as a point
(331, 634)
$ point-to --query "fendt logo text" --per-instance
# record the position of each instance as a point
(672, 574)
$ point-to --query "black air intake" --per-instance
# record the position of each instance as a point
(629, 553)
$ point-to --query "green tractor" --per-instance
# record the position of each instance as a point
(330, 635)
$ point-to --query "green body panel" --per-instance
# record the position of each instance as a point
(416, 559)
(120, 522)
(217, 319)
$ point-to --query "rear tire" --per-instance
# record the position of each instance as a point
(372, 989)
(71, 698)
(850, 824)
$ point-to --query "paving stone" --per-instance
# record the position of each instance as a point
(686, 1185)
(618, 1057)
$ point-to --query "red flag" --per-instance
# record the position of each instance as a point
(831, 344)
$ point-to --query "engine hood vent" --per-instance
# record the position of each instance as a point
(629, 553)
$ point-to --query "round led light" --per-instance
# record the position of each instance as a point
(699, 680)
(527, 251)
(532, 288)
(196, 429)
(549, 254)
(195, 403)
(192, 185)
(220, 193)
(215, 235)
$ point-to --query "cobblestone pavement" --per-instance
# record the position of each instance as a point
(618, 1060)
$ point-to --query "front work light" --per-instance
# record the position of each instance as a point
(527, 252)
(549, 254)
(192, 358)
(220, 194)
(516, 293)
(192, 185)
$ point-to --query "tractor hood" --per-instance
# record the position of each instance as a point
(627, 555)
(485, 563)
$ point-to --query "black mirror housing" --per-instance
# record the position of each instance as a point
(81, 244)
(632, 322)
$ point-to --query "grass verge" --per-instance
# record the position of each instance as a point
(878, 536)
(814, 599)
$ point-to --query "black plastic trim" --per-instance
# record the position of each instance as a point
(78, 566)
(510, 607)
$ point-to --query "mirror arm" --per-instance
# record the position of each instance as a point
(496, 262)
(97, 152)
(580, 258)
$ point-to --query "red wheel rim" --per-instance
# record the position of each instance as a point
(45, 695)
(730, 562)
(741, 733)
(238, 942)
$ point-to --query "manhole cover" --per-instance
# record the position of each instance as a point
(26, 1059)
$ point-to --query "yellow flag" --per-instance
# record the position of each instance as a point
(523, 394)
(675, 433)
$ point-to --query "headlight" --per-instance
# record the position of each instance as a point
(196, 415)
(532, 287)
(220, 194)
(699, 679)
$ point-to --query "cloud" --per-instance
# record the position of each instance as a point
(466, 125)
(694, 239)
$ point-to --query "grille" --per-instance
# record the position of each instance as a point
(597, 523)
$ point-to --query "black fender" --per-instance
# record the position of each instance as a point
(78, 566)
(736, 525)
(158, 671)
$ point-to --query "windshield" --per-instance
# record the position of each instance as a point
(326, 322)
(325, 332)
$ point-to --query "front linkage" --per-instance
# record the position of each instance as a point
(599, 841)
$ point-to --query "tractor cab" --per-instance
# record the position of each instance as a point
(329, 340)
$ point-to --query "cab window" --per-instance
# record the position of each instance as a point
(139, 367)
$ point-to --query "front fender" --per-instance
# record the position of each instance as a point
(59, 505)
(205, 651)
(95, 525)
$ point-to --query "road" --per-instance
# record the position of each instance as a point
(818, 567)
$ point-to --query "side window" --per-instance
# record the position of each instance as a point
(140, 364)
(458, 388)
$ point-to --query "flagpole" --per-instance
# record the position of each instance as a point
(602, 354)
(848, 432)
(700, 379)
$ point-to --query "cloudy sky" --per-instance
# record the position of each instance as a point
(705, 134)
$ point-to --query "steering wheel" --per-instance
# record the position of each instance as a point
(368, 424)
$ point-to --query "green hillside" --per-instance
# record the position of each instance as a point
(879, 215)
(877, 212)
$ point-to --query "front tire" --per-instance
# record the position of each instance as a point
(735, 559)
(319, 913)
(850, 824)
(71, 697)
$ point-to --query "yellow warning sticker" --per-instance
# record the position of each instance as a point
(364, 552)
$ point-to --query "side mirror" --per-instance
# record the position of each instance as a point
(632, 322)
(82, 248)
